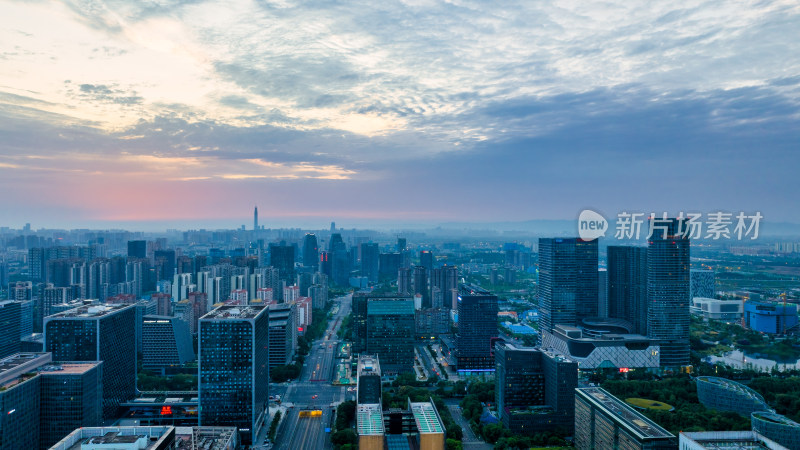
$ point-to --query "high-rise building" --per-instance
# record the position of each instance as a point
(369, 409)
(310, 251)
(370, 260)
(71, 397)
(137, 249)
(164, 263)
(402, 244)
(668, 313)
(568, 288)
(421, 285)
(166, 341)
(404, 281)
(535, 389)
(233, 368)
(446, 280)
(163, 302)
(124, 437)
(10, 318)
(603, 421)
(281, 256)
(389, 264)
(477, 329)
(282, 334)
(627, 285)
(98, 333)
(390, 333)
(426, 259)
(255, 218)
(19, 400)
(702, 283)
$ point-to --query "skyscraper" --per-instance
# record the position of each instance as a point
(310, 251)
(446, 279)
(404, 280)
(534, 389)
(255, 218)
(166, 341)
(421, 285)
(10, 317)
(370, 257)
(568, 281)
(627, 285)
(71, 397)
(426, 259)
(233, 367)
(668, 290)
(98, 333)
(702, 283)
(137, 249)
(390, 333)
(477, 329)
(281, 256)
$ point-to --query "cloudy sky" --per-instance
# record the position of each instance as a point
(191, 112)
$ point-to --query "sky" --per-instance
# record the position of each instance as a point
(189, 113)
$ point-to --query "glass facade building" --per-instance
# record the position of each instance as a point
(726, 395)
(534, 389)
(390, 333)
(98, 333)
(477, 329)
(568, 281)
(776, 427)
(668, 313)
(627, 285)
(71, 397)
(234, 368)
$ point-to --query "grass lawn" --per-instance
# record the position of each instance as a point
(648, 404)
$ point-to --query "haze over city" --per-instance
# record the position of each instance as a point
(187, 114)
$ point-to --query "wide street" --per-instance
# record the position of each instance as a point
(297, 432)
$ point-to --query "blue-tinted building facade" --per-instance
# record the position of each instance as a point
(772, 318)
(233, 367)
(98, 333)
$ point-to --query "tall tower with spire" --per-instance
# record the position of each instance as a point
(255, 219)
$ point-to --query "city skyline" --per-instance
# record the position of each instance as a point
(181, 113)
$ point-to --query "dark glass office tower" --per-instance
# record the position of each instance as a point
(98, 333)
(627, 285)
(390, 333)
(164, 262)
(281, 256)
(668, 291)
(10, 318)
(137, 249)
(446, 279)
(310, 251)
(477, 328)
(234, 368)
(71, 398)
(426, 259)
(421, 285)
(370, 257)
(534, 389)
(568, 283)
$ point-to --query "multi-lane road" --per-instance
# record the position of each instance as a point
(313, 391)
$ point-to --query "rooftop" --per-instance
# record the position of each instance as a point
(369, 418)
(205, 438)
(390, 307)
(775, 418)
(234, 312)
(730, 440)
(69, 368)
(736, 387)
(368, 364)
(426, 417)
(90, 311)
(15, 366)
(624, 414)
(155, 437)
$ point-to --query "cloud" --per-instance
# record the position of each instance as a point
(397, 100)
